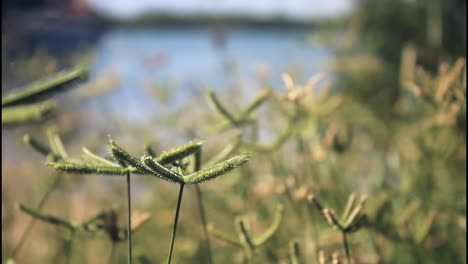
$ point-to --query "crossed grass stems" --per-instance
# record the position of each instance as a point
(352, 219)
(170, 166)
(245, 240)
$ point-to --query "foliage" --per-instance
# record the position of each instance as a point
(394, 130)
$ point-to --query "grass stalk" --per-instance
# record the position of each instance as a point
(129, 220)
(176, 219)
(202, 209)
(69, 245)
(12, 115)
(111, 254)
(46, 87)
(28, 229)
(346, 247)
(204, 222)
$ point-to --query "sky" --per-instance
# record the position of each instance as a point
(301, 10)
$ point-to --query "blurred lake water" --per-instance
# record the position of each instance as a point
(196, 58)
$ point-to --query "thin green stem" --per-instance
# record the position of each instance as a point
(129, 220)
(346, 247)
(176, 219)
(111, 254)
(43, 200)
(204, 222)
(202, 208)
(69, 246)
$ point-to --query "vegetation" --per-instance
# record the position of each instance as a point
(353, 174)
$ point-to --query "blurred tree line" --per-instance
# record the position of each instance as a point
(387, 47)
(436, 28)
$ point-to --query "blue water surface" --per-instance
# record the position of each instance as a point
(199, 57)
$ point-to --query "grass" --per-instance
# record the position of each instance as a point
(410, 167)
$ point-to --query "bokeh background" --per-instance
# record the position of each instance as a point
(151, 64)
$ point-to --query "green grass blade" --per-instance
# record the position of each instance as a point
(56, 144)
(224, 237)
(46, 87)
(256, 103)
(37, 145)
(99, 160)
(27, 113)
(221, 109)
(272, 229)
(349, 205)
(46, 218)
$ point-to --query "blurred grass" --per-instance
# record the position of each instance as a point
(390, 128)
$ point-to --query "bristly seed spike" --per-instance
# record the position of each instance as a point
(124, 158)
(216, 170)
(175, 154)
(160, 171)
